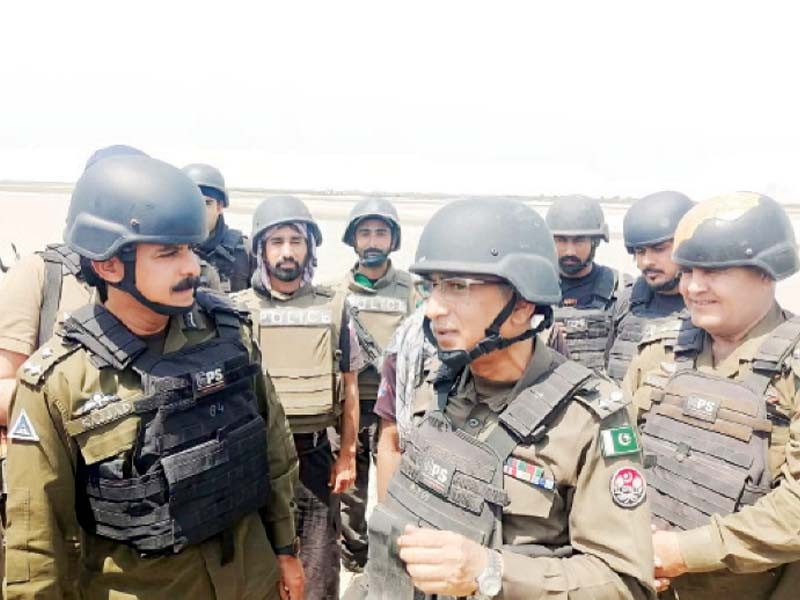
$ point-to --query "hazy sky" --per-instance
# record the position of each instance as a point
(498, 97)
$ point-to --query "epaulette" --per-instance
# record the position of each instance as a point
(39, 364)
(327, 291)
(601, 397)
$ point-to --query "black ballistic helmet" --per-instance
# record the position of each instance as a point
(497, 237)
(281, 209)
(653, 219)
(210, 181)
(127, 199)
(737, 230)
(577, 216)
(115, 150)
(373, 208)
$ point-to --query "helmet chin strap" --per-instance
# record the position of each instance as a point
(456, 360)
(128, 284)
(374, 260)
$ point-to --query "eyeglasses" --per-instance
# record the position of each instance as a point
(451, 288)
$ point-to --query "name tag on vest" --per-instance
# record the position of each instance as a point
(288, 317)
(377, 303)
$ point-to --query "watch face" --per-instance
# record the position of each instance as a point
(491, 585)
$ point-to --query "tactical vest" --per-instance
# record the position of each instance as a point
(223, 257)
(451, 480)
(299, 341)
(59, 262)
(631, 321)
(706, 437)
(586, 330)
(199, 438)
(380, 311)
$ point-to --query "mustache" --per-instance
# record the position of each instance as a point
(569, 258)
(652, 272)
(188, 283)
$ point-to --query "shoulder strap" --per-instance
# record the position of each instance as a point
(227, 316)
(51, 298)
(773, 354)
(606, 283)
(232, 239)
(527, 414)
(689, 341)
(64, 256)
(640, 292)
(109, 342)
(40, 363)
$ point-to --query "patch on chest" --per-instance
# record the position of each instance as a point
(524, 471)
(628, 487)
(619, 441)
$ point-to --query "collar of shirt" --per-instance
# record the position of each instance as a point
(356, 285)
(746, 350)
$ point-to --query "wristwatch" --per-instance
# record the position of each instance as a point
(490, 580)
(292, 549)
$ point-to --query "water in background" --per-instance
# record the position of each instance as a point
(35, 216)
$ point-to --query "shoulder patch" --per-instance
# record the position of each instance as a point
(40, 362)
(23, 430)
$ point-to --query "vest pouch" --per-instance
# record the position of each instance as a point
(706, 440)
(300, 359)
(380, 315)
(202, 481)
(448, 480)
(586, 332)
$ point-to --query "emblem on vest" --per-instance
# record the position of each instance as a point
(435, 475)
(701, 408)
(287, 317)
(377, 303)
(576, 324)
(207, 382)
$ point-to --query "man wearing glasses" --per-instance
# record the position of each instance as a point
(525, 477)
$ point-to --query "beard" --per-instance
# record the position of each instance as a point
(666, 286)
(287, 270)
(571, 264)
(372, 257)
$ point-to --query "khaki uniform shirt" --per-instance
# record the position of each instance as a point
(21, 296)
(764, 535)
(613, 551)
(50, 556)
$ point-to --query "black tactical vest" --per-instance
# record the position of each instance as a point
(630, 322)
(199, 462)
(226, 254)
(586, 330)
(59, 260)
(450, 480)
(706, 437)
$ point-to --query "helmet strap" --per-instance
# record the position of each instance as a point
(128, 284)
(456, 360)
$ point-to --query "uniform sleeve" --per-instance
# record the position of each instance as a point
(758, 537)
(278, 516)
(20, 302)
(42, 534)
(613, 556)
(385, 405)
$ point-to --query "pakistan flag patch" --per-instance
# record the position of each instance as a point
(619, 441)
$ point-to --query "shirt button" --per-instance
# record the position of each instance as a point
(473, 423)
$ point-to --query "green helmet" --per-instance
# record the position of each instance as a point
(282, 209)
(653, 219)
(492, 236)
(373, 208)
(577, 216)
(128, 199)
(210, 181)
(736, 230)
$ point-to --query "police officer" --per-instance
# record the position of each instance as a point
(130, 430)
(717, 395)
(383, 296)
(226, 249)
(525, 479)
(309, 349)
(647, 229)
(589, 291)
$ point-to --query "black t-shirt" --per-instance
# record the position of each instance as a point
(666, 304)
(579, 291)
